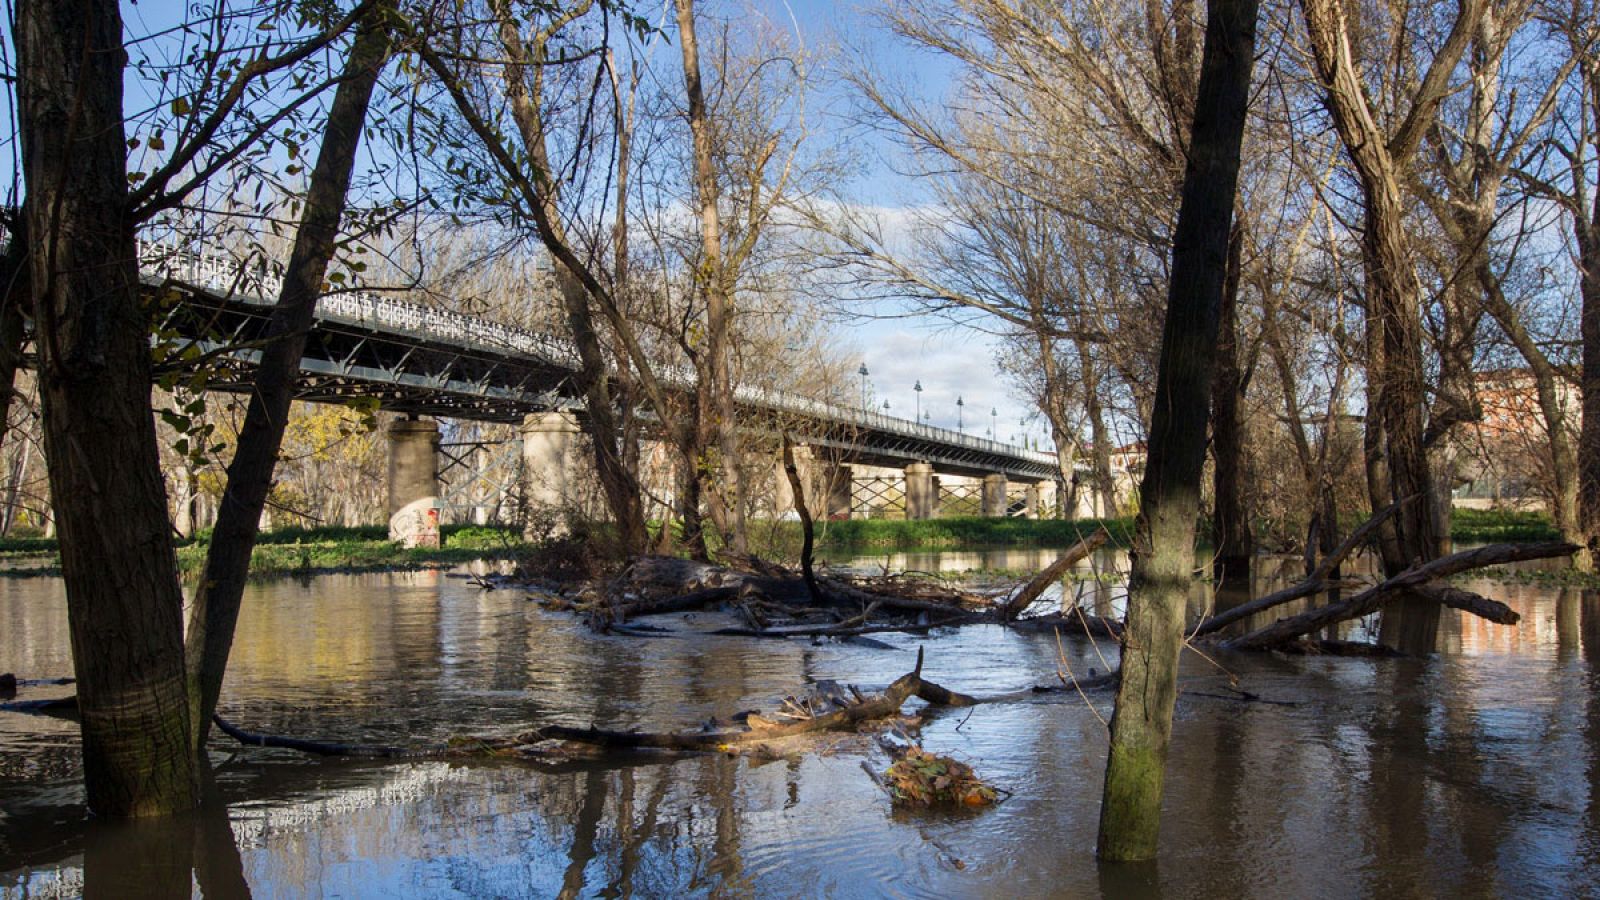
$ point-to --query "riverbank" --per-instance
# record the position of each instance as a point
(295, 551)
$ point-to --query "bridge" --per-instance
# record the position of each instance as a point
(424, 362)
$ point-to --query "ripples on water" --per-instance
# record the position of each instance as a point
(1472, 774)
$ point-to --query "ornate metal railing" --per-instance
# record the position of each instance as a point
(230, 277)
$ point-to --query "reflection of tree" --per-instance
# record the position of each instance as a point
(165, 858)
(584, 832)
(1590, 618)
(1396, 792)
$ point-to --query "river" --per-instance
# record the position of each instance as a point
(1475, 773)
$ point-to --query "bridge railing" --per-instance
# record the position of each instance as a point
(231, 277)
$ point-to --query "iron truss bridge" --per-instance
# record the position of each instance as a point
(417, 360)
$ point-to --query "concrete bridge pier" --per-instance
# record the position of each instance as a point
(827, 485)
(551, 446)
(994, 496)
(922, 496)
(414, 482)
(1035, 500)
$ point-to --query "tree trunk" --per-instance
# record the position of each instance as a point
(1588, 235)
(1230, 525)
(715, 412)
(221, 588)
(1396, 457)
(1141, 727)
(123, 601)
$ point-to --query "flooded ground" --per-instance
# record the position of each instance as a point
(1472, 774)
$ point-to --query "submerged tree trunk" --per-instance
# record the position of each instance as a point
(123, 601)
(1141, 727)
(221, 587)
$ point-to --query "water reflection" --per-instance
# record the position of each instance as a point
(1474, 773)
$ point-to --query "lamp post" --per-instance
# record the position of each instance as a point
(958, 413)
(886, 407)
(994, 421)
(918, 389)
(863, 373)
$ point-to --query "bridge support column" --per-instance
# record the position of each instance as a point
(994, 496)
(414, 482)
(921, 500)
(828, 486)
(551, 445)
(1034, 501)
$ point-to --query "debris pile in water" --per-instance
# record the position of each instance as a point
(920, 778)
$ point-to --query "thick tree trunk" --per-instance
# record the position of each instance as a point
(1230, 524)
(1141, 727)
(123, 601)
(221, 587)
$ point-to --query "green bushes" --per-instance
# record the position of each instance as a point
(1491, 526)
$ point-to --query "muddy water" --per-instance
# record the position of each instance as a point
(1475, 773)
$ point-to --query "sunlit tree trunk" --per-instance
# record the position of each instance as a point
(123, 601)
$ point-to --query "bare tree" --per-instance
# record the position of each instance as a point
(1141, 726)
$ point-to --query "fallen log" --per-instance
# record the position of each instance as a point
(1072, 623)
(1467, 601)
(760, 729)
(1315, 583)
(1052, 573)
(322, 748)
(1370, 600)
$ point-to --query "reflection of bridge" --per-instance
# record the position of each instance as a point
(427, 362)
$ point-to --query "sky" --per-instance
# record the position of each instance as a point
(898, 350)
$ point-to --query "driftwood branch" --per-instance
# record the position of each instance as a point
(1418, 576)
(1052, 573)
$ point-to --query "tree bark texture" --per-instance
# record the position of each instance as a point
(1141, 727)
(1230, 525)
(221, 588)
(123, 601)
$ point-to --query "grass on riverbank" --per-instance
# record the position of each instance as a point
(367, 548)
(293, 551)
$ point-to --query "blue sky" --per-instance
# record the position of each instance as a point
(949, 361)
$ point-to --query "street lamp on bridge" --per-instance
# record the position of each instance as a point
(958, 413)
(918, 388)
(863, 373)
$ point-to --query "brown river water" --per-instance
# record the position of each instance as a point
(1475, 773)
